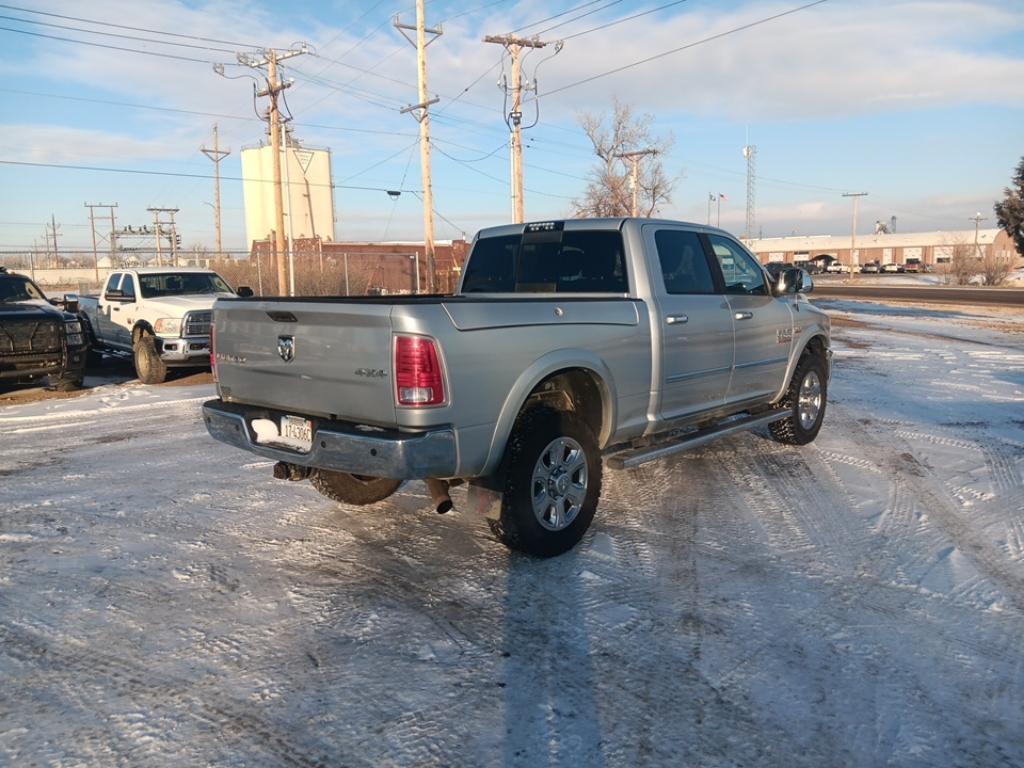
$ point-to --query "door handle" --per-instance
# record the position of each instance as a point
(743, 315)
(676, 319)
(116, 309)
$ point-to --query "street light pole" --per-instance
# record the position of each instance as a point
(853, 228)
(977, 219)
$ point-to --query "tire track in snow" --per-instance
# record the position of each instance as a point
(138, 682)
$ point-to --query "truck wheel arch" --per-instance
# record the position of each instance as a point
(580, 382)
(141, 327)
(815, 344)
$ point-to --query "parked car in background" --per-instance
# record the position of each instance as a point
(871, 268)
(891, 268)
(39, 337)
(837, 267)
(161, 315)
(913, 265)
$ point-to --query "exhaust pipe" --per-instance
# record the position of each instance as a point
(285, 471)
(439, 495)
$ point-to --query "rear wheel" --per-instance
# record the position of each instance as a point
(148, 365)
(552, 483)
(353, 489)
(805, 399)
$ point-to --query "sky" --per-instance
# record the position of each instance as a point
(919, 103)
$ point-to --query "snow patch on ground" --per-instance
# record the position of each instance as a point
(857, 601)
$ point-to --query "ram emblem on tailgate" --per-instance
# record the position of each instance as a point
(286, 348)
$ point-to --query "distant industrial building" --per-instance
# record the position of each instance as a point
(930, 247)
(308, 195)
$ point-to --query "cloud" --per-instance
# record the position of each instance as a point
(59, 144)
(828, 61)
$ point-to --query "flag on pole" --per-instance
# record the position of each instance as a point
(721, 196)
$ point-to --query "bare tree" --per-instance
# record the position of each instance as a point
(994, 269)
(963, 264)
(608, 190)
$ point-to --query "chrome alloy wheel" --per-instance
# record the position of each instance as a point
(559, 485)
(809, 400)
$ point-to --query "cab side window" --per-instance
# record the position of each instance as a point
(684, 267)
(112, 282)
(743, 275)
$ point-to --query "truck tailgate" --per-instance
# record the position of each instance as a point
(329, 359)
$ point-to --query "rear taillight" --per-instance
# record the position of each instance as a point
(419, 379)
(213, 354)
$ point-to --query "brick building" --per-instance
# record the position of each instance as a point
(389, 268)
(930, 247)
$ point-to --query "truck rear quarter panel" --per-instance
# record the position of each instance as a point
(496, 350)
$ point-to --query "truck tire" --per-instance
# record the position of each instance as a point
(66, 383)
(353, 489)
(805, 399)
(552, 483)
(148, 365)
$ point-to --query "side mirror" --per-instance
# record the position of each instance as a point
(114, 295)
(71, 303)
(244, 291)
(793, 281)
(54, 302)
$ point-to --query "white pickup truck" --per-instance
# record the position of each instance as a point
(161, 315)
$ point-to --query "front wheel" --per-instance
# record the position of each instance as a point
(353, 489)
(148, 365)
(66, 383)
(552, 483)
(805, 400)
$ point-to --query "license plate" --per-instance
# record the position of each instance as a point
(298, 431)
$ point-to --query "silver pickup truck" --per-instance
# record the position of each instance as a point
(568, 345)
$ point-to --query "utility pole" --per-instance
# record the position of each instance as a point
(158, 225)
(95, 255)
(421, 112)
(514, 119)
(53, 232)
(634, 178)
(750, 153)
(976, 218)
(270, 58)
(216, 155)
(92, 222)
(853, 229)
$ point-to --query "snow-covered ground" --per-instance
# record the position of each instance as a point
(856, 602)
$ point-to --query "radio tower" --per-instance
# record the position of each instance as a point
(750, 152)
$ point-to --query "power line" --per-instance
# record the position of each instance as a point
(109, 47)
(556, 16)
(624, 20)
(142, 172)
(581, 16)
(126, 26)
(221, 115)
(694, 44)
(116, 34)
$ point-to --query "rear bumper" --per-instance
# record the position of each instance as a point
(342, 446)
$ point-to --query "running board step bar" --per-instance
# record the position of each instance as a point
(634, 457)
